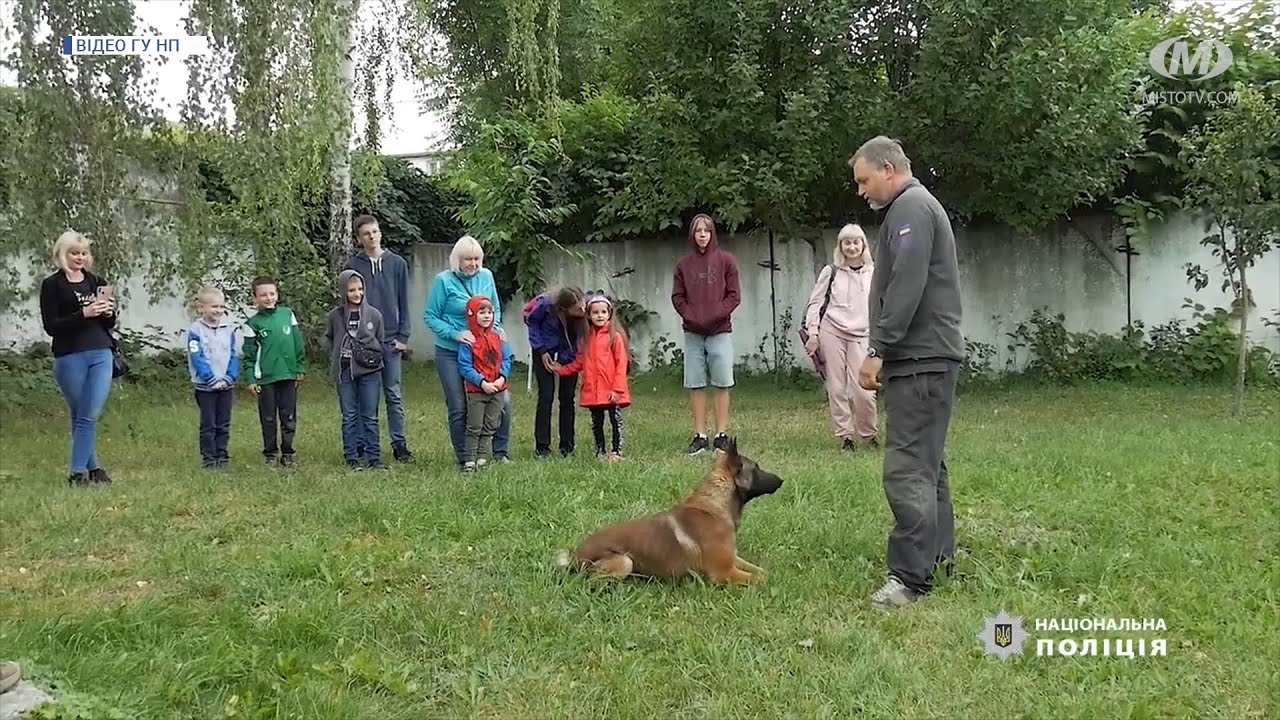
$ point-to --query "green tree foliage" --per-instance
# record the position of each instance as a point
(1017, 112)
(1233, 172)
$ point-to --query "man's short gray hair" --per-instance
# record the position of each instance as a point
(880, 150)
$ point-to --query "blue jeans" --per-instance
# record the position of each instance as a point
(455, 401)
(358, 399)
(85, 381)
(391, 391)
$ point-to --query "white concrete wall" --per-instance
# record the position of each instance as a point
(1071, 268)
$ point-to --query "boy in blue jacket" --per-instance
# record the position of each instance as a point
(214, 366)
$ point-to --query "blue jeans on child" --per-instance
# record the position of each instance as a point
(455, 401)
(215, 425)
(358, 399)
(85, 381)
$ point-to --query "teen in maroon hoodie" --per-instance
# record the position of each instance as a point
(705, 292)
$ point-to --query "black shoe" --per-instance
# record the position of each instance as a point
(78, 480)
(98, 476)
(697, 446)
(376, 465)
(721, 442)
(270, 459)
(355, 465)
(847, 445)
(401, 453)
(873, 443)
(286, 461)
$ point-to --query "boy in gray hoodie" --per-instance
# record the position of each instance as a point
(355, 335)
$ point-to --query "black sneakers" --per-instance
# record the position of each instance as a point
(848, 445)
(78, 480)
(721, 442)
(697, 446)
(98, 476)
(401, 453)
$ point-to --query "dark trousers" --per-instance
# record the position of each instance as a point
(547, 389)
(278, 401)
(615, 423)
(215, 425)
(918, 411)
(484, 415)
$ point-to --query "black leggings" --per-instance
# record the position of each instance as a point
(597, 427)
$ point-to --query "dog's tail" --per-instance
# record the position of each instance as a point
(568, 561)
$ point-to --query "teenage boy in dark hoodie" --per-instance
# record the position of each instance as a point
(386, 279)
(705, 292)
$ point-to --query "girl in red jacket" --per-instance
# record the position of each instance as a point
(602, 360)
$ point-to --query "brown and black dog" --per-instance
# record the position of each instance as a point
(697, 536)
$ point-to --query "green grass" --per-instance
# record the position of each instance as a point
(416, 593)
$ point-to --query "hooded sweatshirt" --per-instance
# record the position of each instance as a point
(704, 289)
(350, 325)
(211, 354)
(446, 311)
(846, 314)
(489, 357)
(386, 287)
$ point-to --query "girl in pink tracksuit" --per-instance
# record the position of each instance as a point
(840, 334)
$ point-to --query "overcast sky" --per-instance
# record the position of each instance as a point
(408, 130)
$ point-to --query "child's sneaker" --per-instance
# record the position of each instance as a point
(355, 465)
(469, 466)
(78, 480)
(613, 457)
(401, 453)
(286, 461)
(481, 463)
(697, 446)
(721, 442)
(848, 446)
(270, 459)
(376, 465)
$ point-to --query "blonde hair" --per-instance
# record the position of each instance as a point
(203, 294)
(837, 255)
(65, 243)
(465, 246)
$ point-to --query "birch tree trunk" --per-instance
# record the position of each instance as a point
(341, 245)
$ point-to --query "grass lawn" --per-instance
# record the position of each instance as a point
(419, 592)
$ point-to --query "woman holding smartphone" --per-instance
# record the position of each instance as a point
(78, 311)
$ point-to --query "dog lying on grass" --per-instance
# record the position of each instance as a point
(697, 536)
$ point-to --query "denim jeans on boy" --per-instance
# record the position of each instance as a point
(215, 425)
(393, 362)
(455, 400)
(85, 381)
(358, 399)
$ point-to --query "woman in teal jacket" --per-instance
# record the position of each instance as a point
(446, 316)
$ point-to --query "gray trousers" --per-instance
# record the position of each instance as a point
(484, 413)
(918, 411)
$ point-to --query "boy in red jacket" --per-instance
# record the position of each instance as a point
(602, 360)
(485, 365)
(705, 292)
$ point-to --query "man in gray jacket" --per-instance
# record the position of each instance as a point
(916, 344)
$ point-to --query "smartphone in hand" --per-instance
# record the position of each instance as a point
(106, 292)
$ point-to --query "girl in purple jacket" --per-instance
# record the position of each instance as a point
(556, 322)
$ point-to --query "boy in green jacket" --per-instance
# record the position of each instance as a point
(274, 358)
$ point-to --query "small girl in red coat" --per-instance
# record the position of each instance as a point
(602, 360)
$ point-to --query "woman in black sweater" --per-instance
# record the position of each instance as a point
(78, 311)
